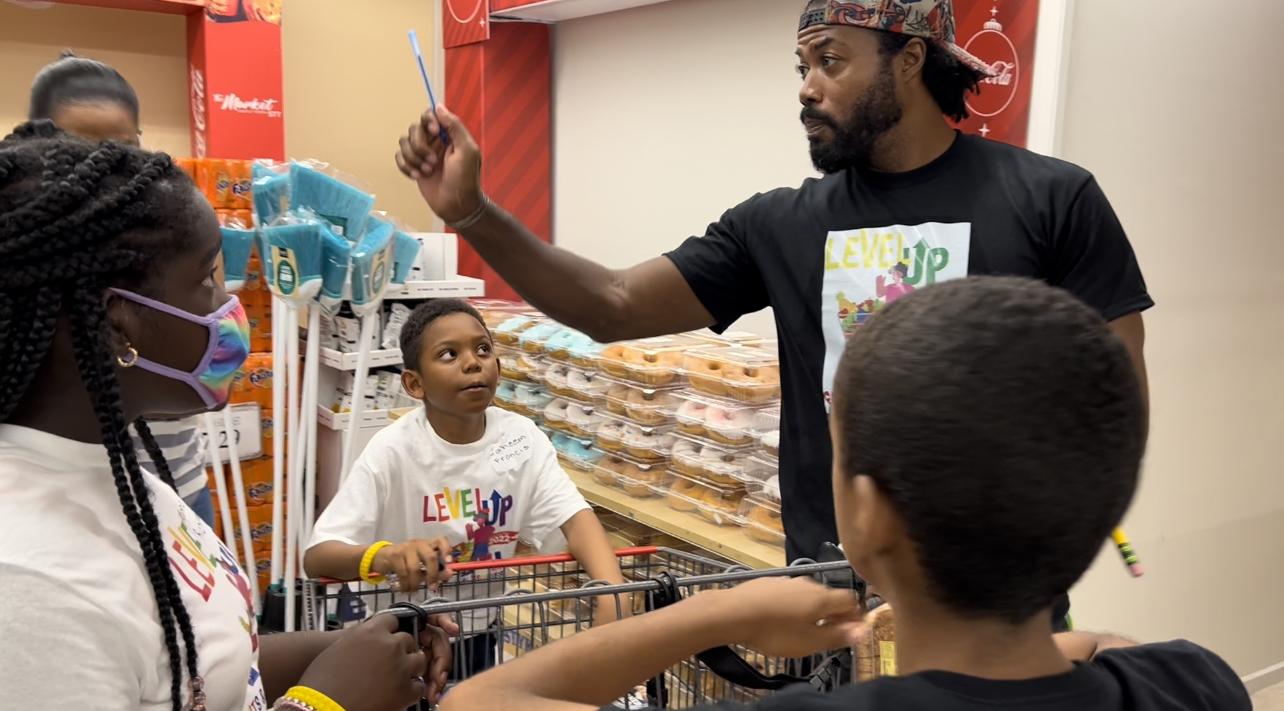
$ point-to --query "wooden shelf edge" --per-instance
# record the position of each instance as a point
(727, 541)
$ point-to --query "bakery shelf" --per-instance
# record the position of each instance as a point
(332, 358)
(729, 542)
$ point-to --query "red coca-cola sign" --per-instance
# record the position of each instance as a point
(1002, 33)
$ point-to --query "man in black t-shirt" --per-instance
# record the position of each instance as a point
(988, 435)
(905, 202)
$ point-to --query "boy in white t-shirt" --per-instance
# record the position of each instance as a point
(456, 481)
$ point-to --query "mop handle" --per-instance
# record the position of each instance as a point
(249, 565)
(278, 436)
(358, 393)
(220, 484)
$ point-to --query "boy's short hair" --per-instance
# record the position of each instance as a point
(1005, 423)
(421, 318)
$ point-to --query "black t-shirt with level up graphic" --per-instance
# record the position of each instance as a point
(827, 255)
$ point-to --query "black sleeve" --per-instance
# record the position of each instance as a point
(1176, 675)
(1093, 259)
(720, 267)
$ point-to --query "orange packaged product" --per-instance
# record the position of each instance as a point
(256, 475)
(187, 165)
(241, 186)
(260, 518)
(253, 382)
(203, 175)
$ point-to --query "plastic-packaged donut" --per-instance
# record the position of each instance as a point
(508, 363)
(712, 462)
(530, 399)
(638, 479)
(495, 312)
(762, 520)
(560, 345)
(716, 503)
(582, 420)
(642, 405)
(509, 332)
(533, 339)
(581, 385)
(749, 375)
(576, 452)
(654, 362)
(724, 421)
(766, 430)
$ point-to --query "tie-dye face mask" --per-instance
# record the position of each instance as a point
(229, 346)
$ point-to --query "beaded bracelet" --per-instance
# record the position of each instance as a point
(302, 698)
(367, 560)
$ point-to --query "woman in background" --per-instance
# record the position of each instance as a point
(92, 100)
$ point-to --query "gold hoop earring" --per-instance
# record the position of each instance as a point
(129, 360)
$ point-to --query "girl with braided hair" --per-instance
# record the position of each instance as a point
(89, 99)
(113, 593)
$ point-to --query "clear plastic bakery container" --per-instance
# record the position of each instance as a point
(586, 386)
(585, 355)
(719, 504)
(761, 517)
(724, 421)
(637, 478)
(506, 393)
(560, 345)
(554, 414)
(644, 443)
(509, 333)
(534, 339)
(508, 363)
(495, 312)
(710, 461)
(640, 404)
(748, 375)
(653, 362)
(727, 338)
(581, 420)
(530, 399)
(766, 431)
(576, 452)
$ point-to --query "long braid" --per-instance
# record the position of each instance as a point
(64, 207)
(154, 453)
(91, 354)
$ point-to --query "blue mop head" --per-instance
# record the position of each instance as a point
(346, 208)
(405, 251)
(336, 256)
(372, 266)
(296, 252)
(271, 194)
(237, 246)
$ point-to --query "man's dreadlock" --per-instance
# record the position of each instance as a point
(75, 219)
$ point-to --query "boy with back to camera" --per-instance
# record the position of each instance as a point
(455, 481)
(988, 435)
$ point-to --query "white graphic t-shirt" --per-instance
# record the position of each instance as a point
(869, 268)
(482, 497)
(79, 620)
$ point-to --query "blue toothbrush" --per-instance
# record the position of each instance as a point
(423, 72)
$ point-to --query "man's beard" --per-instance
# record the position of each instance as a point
(875, 113)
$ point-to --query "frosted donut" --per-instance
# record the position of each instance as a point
(581, 420)
(505, 392)
(686, 458)
(649, 407)
(647, 445)
(771, 442)
(610, 436)
(691, 417)
(771, 488)
(616, 397)
(720, 467)
(636, 481)
(582, 385)
(577, 451)
(555, 411)
(555, 377)
(729, 426)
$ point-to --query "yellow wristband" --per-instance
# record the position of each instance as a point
(367, 560)
(312, 698)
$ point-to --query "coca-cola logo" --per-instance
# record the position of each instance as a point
(234, 103)
(997, 92)
(197, 82)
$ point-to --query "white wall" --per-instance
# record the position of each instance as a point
(1184, 136)
(666, 115)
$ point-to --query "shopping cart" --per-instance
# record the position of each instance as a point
(507, 608)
